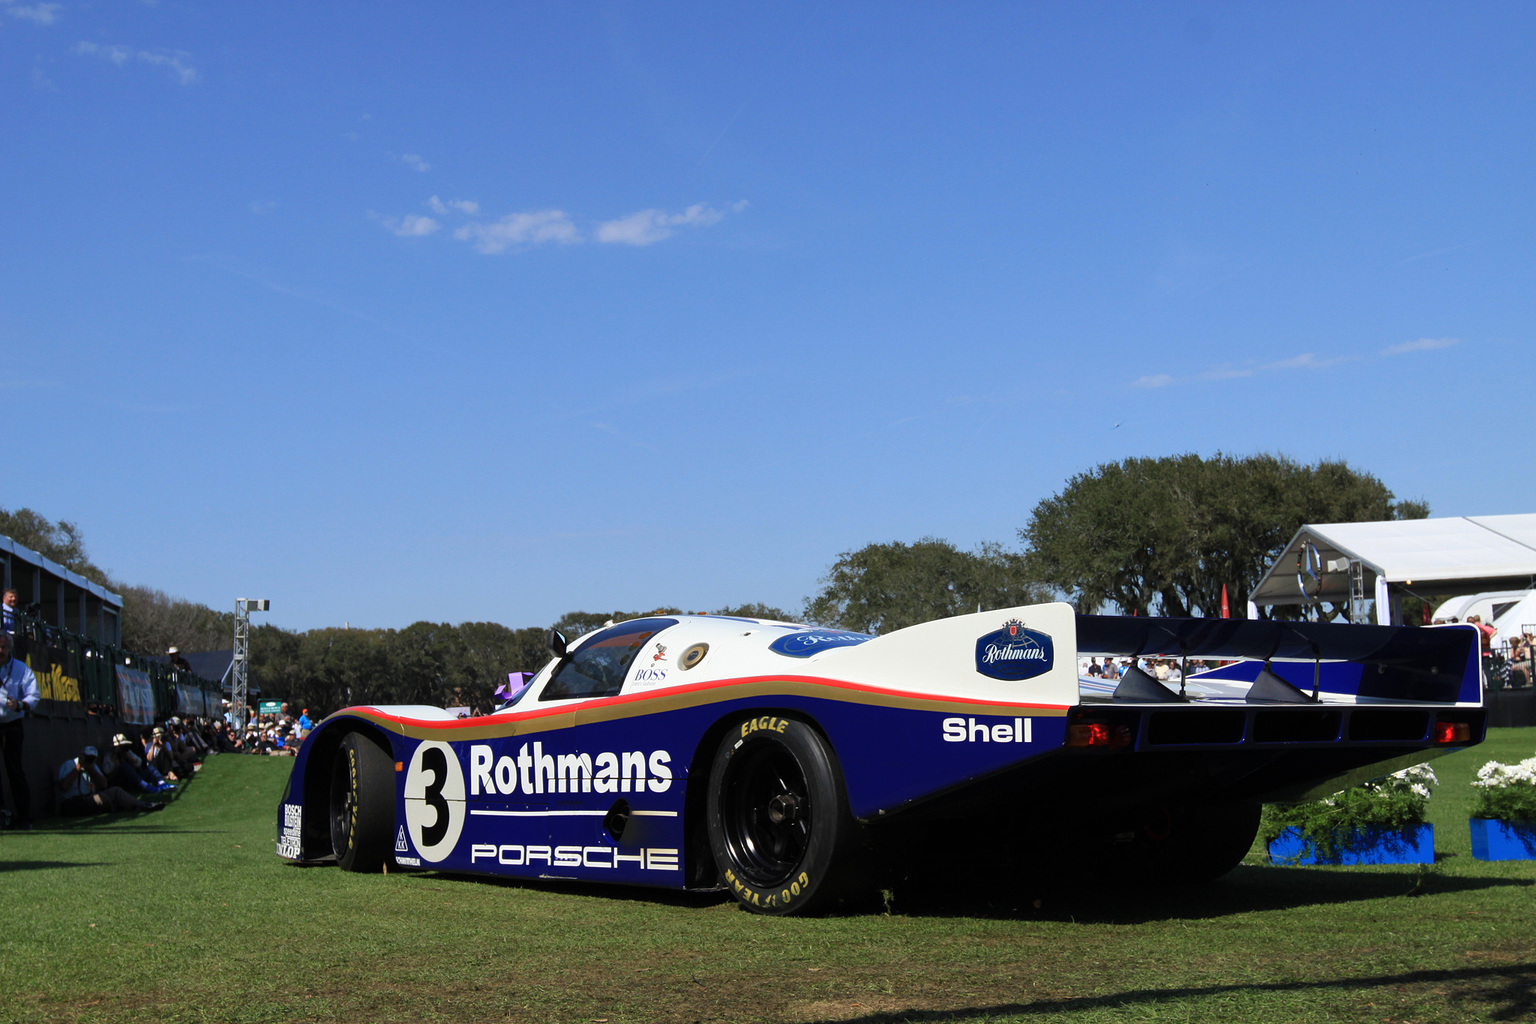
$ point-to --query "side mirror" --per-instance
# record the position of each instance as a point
(555, 641)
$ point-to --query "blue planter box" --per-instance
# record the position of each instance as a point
(1414, 845)
(1493, 839)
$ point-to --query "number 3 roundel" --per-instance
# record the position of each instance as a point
(434, 800)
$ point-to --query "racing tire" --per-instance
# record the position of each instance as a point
(779, 825)
(1218, 839)
(362, 807)
(1193, 843)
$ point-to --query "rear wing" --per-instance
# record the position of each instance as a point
(1432, 664)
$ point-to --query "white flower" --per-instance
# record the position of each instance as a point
(1494, 775)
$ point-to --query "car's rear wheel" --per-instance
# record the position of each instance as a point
(779, 825)
(1215, 839)
(1196, 841)
(362, 804)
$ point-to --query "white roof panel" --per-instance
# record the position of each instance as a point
(1421, 550)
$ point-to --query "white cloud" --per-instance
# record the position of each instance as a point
(262, 207)
(466, 206)
(414, 226)
(38, 14)
(1153, 380)
(176, 62)
(415, 163)
(116, 54)
(1305, 361)
(646, 227)
(1228, 372)
(519, 229)
(1422, 345)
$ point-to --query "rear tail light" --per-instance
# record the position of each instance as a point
(1088, 734)
(1099, 734)
(1453, 732)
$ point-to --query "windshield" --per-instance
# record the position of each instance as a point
(597, 667)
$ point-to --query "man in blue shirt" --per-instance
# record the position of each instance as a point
(18, 695)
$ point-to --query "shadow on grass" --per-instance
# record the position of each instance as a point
(1245, 890)
(1498, 993)
(44, 865)
(92, 822)
(591, 890)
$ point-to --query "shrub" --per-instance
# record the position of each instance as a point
(1506, 791)
(1357, 818)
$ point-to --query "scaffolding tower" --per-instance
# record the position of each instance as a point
(237, 687)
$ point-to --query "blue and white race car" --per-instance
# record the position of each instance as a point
(786, 762)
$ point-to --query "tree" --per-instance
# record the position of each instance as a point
(755, 610)
(883, 587)
(154, 621)
(1161, 536)
(59, 541)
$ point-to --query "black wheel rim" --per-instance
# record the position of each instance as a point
(766, 812)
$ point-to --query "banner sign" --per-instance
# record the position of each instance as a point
(189, 699)
(269, 707)
(135, 697)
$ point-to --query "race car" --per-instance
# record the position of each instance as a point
(792, 764)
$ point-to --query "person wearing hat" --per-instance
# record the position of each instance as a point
(84, 790)
(158, 755)
(177, 661)
(126, 770)
(18, 695)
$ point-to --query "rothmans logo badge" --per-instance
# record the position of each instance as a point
(1014, 652)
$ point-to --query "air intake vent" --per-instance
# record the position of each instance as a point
(1387, 724)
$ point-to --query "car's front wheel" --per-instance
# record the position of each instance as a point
(779, 825)
(362, 804)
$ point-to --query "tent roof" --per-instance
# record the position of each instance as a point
(1464, 553)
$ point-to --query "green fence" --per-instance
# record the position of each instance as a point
(79, 676)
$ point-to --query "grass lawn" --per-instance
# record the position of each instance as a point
(188, 915)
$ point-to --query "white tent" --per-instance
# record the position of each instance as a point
(1337, 562)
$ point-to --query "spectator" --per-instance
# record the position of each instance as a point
(157, 754)
(8, 611)
(1520, 662)
(177, 661)
(305, 724)
(84, 790)
(127, 771)
(18, 696)
(1485, 635)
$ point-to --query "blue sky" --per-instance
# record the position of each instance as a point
(492, 311)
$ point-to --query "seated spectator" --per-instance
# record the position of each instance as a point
(84, 790)
(183, 754)
(125, 769)
(219, 736)
(158, 755)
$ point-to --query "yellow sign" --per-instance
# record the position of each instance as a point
(53, 684)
